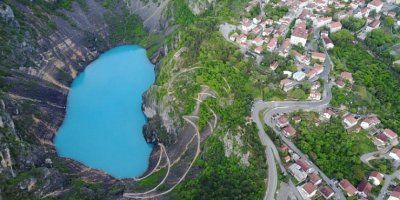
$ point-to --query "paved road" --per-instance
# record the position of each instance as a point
(276, 107)
(387, 183)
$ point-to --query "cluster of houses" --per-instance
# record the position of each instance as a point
(364, 188)
(310, 183)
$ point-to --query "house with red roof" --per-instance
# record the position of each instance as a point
(374, 24)
(258, 49)
(282, 121)
(335, 26)
(394, 196)
(395, 153)
(348, 187)
(390, 134)
(286, 84)
(285, 48)
(318, 56)
(350, 121)
(308, 190)
(274, 65)
(375, 5)
(289, 131)
(315, 178)
(376, 178)
(364, 187)
(326, 192)
(299, 35)
(258, 41)
(272, 44)
(347, 76)
(304, 165)
(369, 122)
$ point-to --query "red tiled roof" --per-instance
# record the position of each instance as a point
(376, 175)
(365, 187)
(309, 188)
(389, 133)
(303, 164)
(289, 130)
(348, 187)
(346, 75)
(314, 178)
(326, 191)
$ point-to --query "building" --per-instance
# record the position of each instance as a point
(327, 114)
(274, 65)
(350, 121)
(335, 26)
(241, 38)
(318, 56)
(289, 131)
(298, 174)
(315, 179)
(382, 139)
(394, 196)
(395, 153)
(299, 76)
(305, 166)
(374, 24)
(299, 35)
(307, 191)
(322, 21)
(315, 96)
(272, 44)
(282, 121)
(376, 178)
(326, 192)
(328, 42)
(369, 122)
(390, 134)
(348, 187)
(258, 50)
(364, 188)
(258, 41)
(375, 5)
(347, 76)
(285, 48)
(286, 84)
(287, 159)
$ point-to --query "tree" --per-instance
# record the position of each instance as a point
(353, 24)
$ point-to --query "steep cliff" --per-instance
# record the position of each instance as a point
(44, 45)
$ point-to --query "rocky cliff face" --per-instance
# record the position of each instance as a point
(44, 47)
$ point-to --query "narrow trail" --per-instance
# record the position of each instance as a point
(154, 169)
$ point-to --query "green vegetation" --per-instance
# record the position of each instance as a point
(275, 13)
(182, 13)
(334, 150)
(153, 179)
(383, 165)
(381, 86)
(353, 24)
(380, 42)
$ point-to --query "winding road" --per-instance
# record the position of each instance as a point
(269, 109)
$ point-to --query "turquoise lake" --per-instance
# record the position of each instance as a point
(103, 123)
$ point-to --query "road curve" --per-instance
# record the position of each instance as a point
(269, 109)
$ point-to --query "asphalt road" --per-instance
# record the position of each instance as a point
(277, 107)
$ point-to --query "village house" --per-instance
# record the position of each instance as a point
(381, 139)
(258, 41)
(315, 85)
(322, 21)
(301, 58)
(299, 35)
(369, 122)
(327, 114)
(267, 32)
(315, 178)
(304, 165)
(373, 25)
(241, 38)
(272, 44)
(256, 30)
(376, 178)
(364, 187)
(286, 84)
(285, 48)
(327, 41)
(318, 56)
(348, 187)
(326, 192)
(390, 134)
(274, 65)
(257, 20)
(340, 83)
(299, 76)
(350, 121)
(247, 25)
(289, 131)
(282, 121)
(394, 195)
(395, 153)
(258, 49)
(347, 76)
(335, 26)
(287, 159)
(315, 96)
(307, 191)
(298, 174)
(375, 5)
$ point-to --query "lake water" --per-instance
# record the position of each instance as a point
(103, 124)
